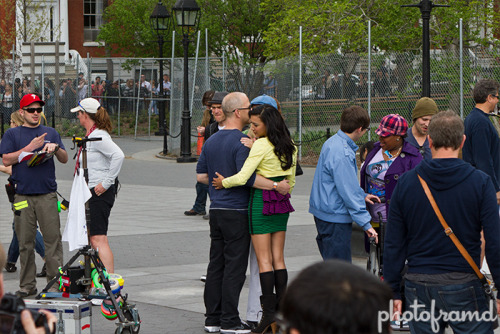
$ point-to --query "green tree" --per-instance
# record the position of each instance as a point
(235, 29)
(332, 26)
(127, 29)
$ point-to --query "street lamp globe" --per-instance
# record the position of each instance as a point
(187, 15)
(160, 19)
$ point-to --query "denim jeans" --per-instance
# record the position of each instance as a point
(201, 197)
(13, 253)
(334, 239)
(448, 298)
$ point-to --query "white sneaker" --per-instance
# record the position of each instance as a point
(400, 325)
(212, 329)
(203, 278)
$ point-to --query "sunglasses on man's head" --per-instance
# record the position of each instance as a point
(32, 110)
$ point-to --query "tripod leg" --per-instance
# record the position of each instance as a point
(62, 270)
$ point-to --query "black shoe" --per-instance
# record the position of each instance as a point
(24, 294)
(241, 329)
(252, 324)
(43, 272)
(10, 267)
(194, 213)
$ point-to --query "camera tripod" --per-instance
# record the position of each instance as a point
(128, 316)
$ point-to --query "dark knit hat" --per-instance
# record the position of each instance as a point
(218, 97)
(424, 107)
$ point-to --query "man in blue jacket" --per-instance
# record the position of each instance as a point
(336, 197)
(439, 279)
(482, 146)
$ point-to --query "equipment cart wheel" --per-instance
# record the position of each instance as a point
(130, 317)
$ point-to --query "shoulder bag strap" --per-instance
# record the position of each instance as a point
(448, 231)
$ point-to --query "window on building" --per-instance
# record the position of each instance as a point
(92, 19)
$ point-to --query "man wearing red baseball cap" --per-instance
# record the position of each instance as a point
(36, 186)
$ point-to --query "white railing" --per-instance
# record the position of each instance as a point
(77, 61)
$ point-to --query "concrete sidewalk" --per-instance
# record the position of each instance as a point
(160, 252)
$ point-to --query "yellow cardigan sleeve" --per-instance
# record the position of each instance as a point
(255, 157)
(291, 177)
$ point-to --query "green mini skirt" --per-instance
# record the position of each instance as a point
(258, 222)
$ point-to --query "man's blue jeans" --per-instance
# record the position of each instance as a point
(13, 253)
(448, 298)
(201, 197)
(334, 239)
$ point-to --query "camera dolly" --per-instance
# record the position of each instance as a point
(129, 321)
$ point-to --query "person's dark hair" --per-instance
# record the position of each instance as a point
(484, 88)
(207, 96)
(335, 297)
(50, 83)
(277, 133)
(354, 117)
(368, 146)
(207, 114)
(446, 129)
(101, 119)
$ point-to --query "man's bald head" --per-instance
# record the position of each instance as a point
(234, 101)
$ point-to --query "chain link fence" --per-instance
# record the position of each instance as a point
(312, 91)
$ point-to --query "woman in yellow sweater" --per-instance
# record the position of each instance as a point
(274, 156)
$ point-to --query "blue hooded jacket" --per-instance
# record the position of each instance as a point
(467, 200)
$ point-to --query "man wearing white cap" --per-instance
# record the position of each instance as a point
(36, 186)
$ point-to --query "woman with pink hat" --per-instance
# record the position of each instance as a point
(390, 158)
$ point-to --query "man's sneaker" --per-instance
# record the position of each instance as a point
(252, 324)
(241, 329)
(24, 294)
(206, 217)
(400, 325)
(10, 267)
(203, 278)
(212, 329)
(194, 213)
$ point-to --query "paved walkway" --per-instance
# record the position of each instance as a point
(160, 252)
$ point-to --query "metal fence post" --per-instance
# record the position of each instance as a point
(138, 100)
(194, 73)
(299, 123)
(369, 73)
(461, 70)
(119, 95)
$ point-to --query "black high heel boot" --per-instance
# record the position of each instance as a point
(268, 303)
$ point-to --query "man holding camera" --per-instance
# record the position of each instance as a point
(36, 186)
(26, 318)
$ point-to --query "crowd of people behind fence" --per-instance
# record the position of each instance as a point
(113, 94)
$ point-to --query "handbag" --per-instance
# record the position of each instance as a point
(488, 292)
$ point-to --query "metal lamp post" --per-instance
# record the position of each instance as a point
(160, 23)
(426, 9)
(187, 16)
